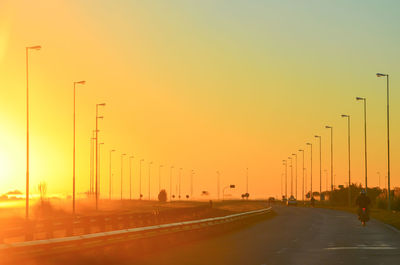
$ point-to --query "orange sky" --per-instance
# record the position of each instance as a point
(204, 86)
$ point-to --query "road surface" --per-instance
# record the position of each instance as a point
(301, 236)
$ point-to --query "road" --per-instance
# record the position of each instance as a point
(301, 236)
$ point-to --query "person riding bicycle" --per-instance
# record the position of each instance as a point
(363, 201)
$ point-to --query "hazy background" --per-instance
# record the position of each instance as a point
(202, 85)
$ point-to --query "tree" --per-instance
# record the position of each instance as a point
(162, 196)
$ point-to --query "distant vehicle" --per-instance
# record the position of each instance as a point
(292, 201)
(271, 199)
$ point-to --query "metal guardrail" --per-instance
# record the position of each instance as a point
(72, 226)
(74, 243)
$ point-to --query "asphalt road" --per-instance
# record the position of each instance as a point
(295, 236)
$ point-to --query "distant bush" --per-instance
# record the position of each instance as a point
(162, 196)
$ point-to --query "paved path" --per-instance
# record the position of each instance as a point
(301, 236)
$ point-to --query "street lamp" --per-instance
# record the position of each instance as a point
(285, 164)
(301, 150)
(73, 152)
(100, 144)
(232, 186)
(310, 144)
(291, 176)
(122, 167)
(37, 48)
(320, 165)
(295, 155)
(97, 153)
(180, 175)
(348, 151)
(388, 136)
(365, 140)
(111, 151)
(130, 177)
(331, 128)
(92, 148)
(191, 184)
(159, 178)
(140, 178)
(218, 178)
(149, 178)
(170, 182)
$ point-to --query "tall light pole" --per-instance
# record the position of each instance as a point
(310, 144)
(331, 128)
(37, 48)
(170, 182)
(291, 176)
(180, 175)
(130, 177)
(295, 155)
(191, 184)
(97, 151)
(320, 166)
(348, 153)
(122, 170)
(73, 152)
(218, 178)
(285, 164)
(365, 140)
(247, 180)
(149, 177)
(92, 141)
(100, 144)
(302, 151)
(388, 136)
(109, 184)
(140, 178)
(159, 178)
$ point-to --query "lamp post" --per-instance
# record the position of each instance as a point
(285, 164)
(232, 186)
(37, 48)
(92, 141)
(110, 185)
(320, 166)
(331, 128)
(149, 177)
(191, 184)
(159, 178)
(140, 178)
(130, 177)
(218, 177)
(310, 144)
(348, 153)
(170, 182)
(73, 152)
(388, 136)
(100, 144)
(291, 176)
(122, 167)
(180, 175)
(97, 153)
(365, 140)
(295, 155)
(302, 151)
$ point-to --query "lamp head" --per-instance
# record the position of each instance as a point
(345, 116)
(301, 150)
(294, 154)
(37, 47)
(80, 82)
(100, 117)
(308, 144)
(317, 136)
(360, 98)
(380, 75)
(232, 186)
(101, 104)
(328, 127)
(112, 150)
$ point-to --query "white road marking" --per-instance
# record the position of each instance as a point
(361, 247)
